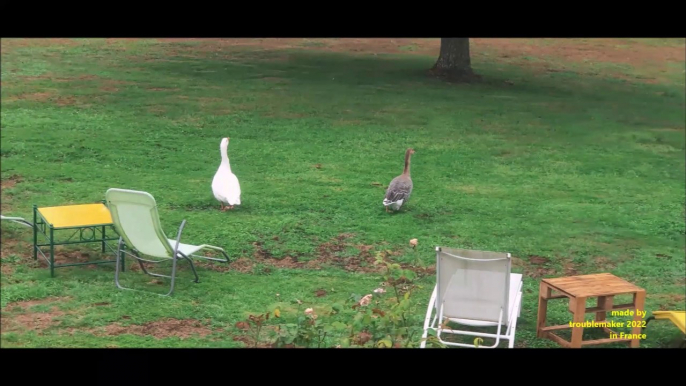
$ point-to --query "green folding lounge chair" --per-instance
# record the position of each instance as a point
(137, 221)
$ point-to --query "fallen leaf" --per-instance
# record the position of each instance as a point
(319, 293)
(364, 337)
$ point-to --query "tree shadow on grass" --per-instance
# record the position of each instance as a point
(334, 71)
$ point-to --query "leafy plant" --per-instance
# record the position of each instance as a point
(381, 319)
(254, 325)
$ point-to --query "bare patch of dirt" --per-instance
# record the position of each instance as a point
(570, 269)
(110, 85)
(534, 266)
(52, 97)
(241, 265)
(181, 328)
(66, 256)
(33, 96)
(34, 321)
(585, 50)
(121, 40)
(15, 247)
(26, 304)
(667, 302)
(8, 44)
(17, 316)
(6, 269)
(328, 255)
(538, 260)
(66, 100)
(11, 181)
(105, 84)
(603, 264)
(534, 55)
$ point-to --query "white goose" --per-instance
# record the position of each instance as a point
(225, 184)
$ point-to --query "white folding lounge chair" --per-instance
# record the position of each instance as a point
(474, 288)
(135, 217)
(18, 220)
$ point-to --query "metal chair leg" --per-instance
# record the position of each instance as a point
(197, 279)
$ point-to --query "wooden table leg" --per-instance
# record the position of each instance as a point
(604, 303)
(544, 292)
(579, 314)
(639, 304)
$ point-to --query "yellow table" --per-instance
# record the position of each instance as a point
(676, 317)
(93, 219)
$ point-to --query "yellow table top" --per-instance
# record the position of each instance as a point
(677, 317)
(73, 216)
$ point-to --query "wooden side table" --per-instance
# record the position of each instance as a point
(88, 223)
(577, 289)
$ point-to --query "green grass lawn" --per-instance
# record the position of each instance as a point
(573, 171)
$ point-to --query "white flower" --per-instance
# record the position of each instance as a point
(366, 300)
(413, 243)
(310, 312)
(379, 291)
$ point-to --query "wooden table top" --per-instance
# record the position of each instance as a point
(600, 284)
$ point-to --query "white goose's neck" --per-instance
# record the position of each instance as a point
(225, 158)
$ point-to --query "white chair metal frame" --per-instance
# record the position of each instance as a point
(508, 309)
(157, 244)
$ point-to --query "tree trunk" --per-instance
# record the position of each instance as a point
(454, 62)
